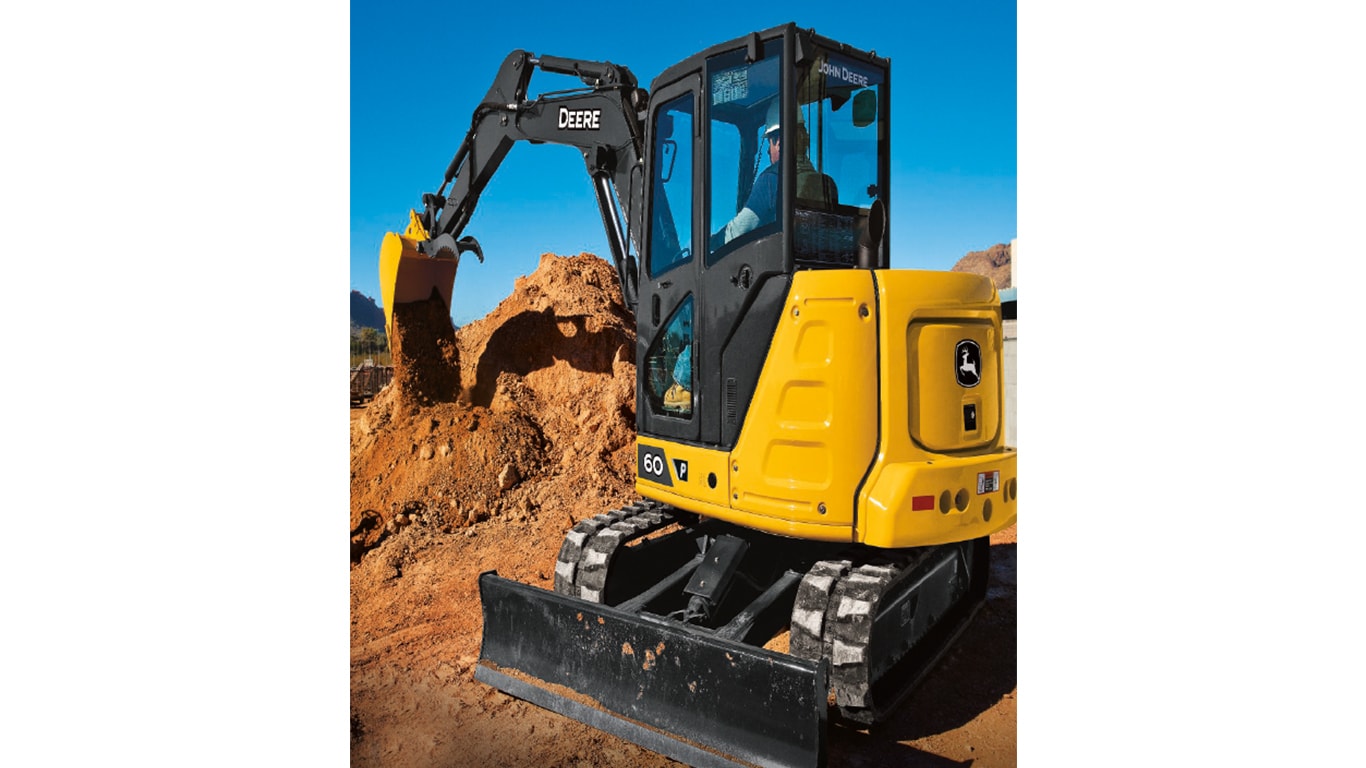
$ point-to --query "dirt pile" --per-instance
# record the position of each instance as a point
(994, 263)
(531, 408)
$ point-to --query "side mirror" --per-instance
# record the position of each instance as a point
(870, 239)
(865, 108)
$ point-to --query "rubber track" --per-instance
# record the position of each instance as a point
(855, 604)
(833, 616)
(588, 547)
(810, 612)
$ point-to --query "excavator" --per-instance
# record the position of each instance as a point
(821, 451)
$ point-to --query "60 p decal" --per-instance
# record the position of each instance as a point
(652, 465)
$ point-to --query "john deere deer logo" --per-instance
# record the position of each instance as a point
(968, 359)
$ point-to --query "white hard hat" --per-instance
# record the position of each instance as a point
(774, 115)
(773, 122)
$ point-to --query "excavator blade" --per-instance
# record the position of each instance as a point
(679, 691)
(406, 274)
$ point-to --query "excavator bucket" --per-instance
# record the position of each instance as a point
(406, 274)
(695, 697)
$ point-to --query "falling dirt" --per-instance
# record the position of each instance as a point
(490, 443)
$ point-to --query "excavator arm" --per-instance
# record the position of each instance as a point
(604, 119)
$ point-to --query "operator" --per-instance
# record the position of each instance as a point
(762, 205)
(679, 396)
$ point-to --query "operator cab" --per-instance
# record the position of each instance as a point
(765, 155)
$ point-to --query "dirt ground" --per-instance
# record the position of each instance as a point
(490, 444)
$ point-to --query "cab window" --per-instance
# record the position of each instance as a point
(672, 154)
(669, 366)
(743, 101)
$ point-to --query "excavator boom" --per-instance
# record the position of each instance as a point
(601, 119)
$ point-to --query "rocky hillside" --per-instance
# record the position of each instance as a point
(365, 313)
(994, 263)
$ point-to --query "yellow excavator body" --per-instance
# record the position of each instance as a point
(860, 430)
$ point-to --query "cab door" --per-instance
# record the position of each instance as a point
(667, 344)
(743, 278)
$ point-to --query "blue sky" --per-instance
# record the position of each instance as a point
(418, 70)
